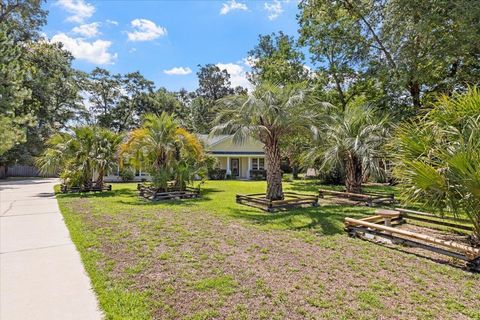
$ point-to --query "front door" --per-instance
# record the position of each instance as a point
(235, 165)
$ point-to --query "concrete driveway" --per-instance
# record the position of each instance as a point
(41, 274)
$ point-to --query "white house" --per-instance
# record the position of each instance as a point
(237, 159)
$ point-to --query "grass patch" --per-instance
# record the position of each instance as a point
(212, 258)
(222, 284)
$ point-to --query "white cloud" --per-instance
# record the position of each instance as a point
(80, 9)
(115, 23)
(238, 74)
(95, 52)
(132, 50)
(249, 61)
(88, 30)
(274, 9)
(232, 5)
(178, 71)
(145, 30)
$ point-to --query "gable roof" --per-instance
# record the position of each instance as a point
(212, 140)
(223, 144)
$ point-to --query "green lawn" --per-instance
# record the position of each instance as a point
(211, 258)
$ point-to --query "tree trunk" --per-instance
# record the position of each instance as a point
(274, 173)
(295, 172)
(353, 174)
(101, 173)
(476, 228)
(414, 88)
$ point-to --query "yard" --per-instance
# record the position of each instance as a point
(212, 258)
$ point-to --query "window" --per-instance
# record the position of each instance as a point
(255, 164)
(258, 163)
(261, 163)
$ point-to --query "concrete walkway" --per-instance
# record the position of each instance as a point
(41, 275)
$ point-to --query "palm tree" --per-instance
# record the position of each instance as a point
(164, 150)
(106, 152)
(351, 140)
(77, 155)
(438, 157)
(269, 114)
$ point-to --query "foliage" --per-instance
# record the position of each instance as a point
(81, 154)
(293, 146)
(136, 97)
(276, 59)
(213, 83)
(350, 139)
(23, 17)
(119, 101)
(165, 150)
(104, 91)
(202, 114)
(12, 92)
(126, 174)
(402, 50)
(438, 156)
(44, 96)
(55, 97)
(270, 114)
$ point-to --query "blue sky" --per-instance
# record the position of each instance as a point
(166, 40)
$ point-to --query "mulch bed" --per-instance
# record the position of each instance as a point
(291, 200)
(367, 198)
(171, 193)
(66, 189)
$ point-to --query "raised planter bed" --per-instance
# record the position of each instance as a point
(292, 199)
(391, 226)
(171, 193)
(368, 198)
(65, 189)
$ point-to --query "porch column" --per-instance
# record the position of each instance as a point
(228, 166)
(249, 167)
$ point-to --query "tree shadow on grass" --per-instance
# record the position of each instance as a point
(97, 194)
(311, 186)
(189, 202)
(314, 185)
(326, 220)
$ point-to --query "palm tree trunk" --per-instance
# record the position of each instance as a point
(353, 174)
(295, 172)
(274, 173)
(101, 173)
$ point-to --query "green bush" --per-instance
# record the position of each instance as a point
(127, 174)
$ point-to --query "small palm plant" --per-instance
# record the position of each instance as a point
(438, 157)
(350, 139)
(269, 114)
(106, 152)
(80, 154)
(165, 150)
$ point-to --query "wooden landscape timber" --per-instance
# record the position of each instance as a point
(291, 200)
(381, 225)
(171, 193)
(369, 198)
(456, 223)
(65, 189)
